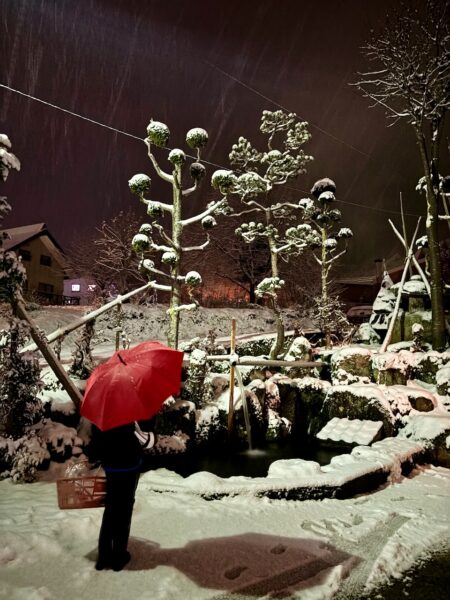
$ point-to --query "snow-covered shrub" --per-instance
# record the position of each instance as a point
(12, 271)
(277, 427)
(30, 454)
(195, 388)
(178, 415)
(427, 364)
(443, 381)
(196, 138)
(177, 157)
(210, 425)
(8, 160)
(171, 444)
(197, 171)
(20, 382)
(82, 360)
(140, 184)
(193, 279)
(209, 222)
(299, 349)
(223, 180)
(140, 242)
(366, 334)
(158, 133)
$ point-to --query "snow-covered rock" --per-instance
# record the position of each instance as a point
(351, 365)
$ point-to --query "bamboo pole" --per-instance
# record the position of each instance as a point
(399, 292)
(48, 354)
(405, 237)
(413, 258)
(256, 362)
(231, 399)
(89, 317)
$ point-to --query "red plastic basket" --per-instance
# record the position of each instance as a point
(81, 492)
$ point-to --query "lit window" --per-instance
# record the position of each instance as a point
(76, 287)
(91, 287)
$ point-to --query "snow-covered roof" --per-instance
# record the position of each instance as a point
(25, 233)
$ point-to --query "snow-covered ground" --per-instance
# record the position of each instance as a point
(240, 547)
(184, 547)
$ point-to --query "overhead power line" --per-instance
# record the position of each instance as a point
(275, 103)
(135, 137)
(69, 112)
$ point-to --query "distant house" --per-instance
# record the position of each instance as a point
(363, 290)
(43, 259)
(81, 288)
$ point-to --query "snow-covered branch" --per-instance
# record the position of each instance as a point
(199, 217)
(166, 176)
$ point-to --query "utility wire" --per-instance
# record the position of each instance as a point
(69, 112)
(135, 137)
(258, 93)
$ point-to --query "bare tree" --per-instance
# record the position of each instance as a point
(241, 263)
(106, 256)
(116, 256)
(411, 81)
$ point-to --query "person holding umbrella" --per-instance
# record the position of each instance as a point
(131, 386)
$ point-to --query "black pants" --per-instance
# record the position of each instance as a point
(115, 529)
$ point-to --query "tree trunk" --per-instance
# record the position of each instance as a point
(175, 296)
(324, 298)
(277, 347)
(437, 296)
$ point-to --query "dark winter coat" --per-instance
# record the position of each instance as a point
(119, 449)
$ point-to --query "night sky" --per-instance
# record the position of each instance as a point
(195, 63)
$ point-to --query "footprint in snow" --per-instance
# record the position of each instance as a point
(278, 549)
(234, 572)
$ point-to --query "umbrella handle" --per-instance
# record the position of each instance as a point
(120, 358)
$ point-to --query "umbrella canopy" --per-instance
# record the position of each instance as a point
(132, 385)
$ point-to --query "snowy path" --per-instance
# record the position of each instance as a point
(184, 547)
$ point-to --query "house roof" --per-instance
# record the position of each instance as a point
(21, 235)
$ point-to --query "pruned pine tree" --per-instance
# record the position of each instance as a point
(255, 177)
(154, 237)
(410, 79)
(319, 232)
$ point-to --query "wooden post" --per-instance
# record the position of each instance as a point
(49, 355)
(231, 400)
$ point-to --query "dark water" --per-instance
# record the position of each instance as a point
(227, 462)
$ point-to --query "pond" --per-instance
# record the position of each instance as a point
(250, 463)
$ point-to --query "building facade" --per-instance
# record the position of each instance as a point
(44, 262)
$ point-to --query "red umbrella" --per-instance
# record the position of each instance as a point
(132, 385)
